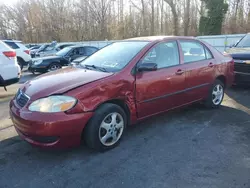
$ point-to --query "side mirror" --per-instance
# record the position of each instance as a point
(147, 67)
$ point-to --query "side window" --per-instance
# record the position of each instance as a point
(89, 51)
(11, 44)
(192, 51)
(208, 54)
(76, 51)
(82, 51)
(164, 55)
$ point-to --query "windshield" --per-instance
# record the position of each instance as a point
(64, 51)
(244, 42)
(43, 47)
(116, 56)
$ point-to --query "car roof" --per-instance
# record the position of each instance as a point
(61, 44)
(77, 46)
(12, 41)
(157, 38)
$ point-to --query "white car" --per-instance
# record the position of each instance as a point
(52, 49)
(22, 52)
(10, 71)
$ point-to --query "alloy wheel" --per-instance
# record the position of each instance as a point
(54, 67)
(218, 93)
(111, 129)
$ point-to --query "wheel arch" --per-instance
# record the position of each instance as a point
(121, 103)
(222, 78)
(1, 81)
(20, 58)
(54, 62)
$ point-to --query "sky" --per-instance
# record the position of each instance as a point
(8, 2)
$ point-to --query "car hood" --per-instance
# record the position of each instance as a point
(239, 53)
(60, 81)
(46, 58)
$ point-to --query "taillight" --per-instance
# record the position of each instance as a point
(10, 54)
(27, 52)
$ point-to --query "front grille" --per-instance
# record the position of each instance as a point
(21, 98)
(242, 67)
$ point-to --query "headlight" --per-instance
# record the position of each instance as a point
(38, 62)
(53, 104)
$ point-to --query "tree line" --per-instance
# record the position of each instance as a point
(79, 20)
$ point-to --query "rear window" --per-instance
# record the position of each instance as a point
(4, 46)
(21, 45)
(192, 51)
(12, 44)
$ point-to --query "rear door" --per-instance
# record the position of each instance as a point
(163, 89)
(200, 69)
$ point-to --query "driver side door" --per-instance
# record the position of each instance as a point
(163, 89)
(76, 53)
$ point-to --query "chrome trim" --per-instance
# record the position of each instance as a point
(19, 93)
(241, 73)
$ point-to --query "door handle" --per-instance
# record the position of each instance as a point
(179, 72)
(210, 64)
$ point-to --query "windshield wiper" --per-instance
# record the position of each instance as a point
(95, 67)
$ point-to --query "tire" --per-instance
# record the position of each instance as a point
(54, 67)
(103, 132)
(20, 63)
(211, 101)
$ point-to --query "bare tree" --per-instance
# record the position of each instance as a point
(78, 20)
(187, 17)
(152, 30)
(172, 5)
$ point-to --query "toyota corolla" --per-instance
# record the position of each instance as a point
(118, 86)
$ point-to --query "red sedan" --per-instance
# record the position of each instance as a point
(117, 86)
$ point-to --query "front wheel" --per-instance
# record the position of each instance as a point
(216, 95)
(106, 127)
(54, 67)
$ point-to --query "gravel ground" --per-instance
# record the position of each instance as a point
(188, 148)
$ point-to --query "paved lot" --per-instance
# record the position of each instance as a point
(188, 148)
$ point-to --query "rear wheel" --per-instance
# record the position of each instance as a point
(106, 127)
(54, 67)
(216, 95)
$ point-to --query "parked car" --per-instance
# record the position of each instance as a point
(10, 71)
(35, 47)
(22, 52)
(30, 45)
(52, 49)
(42, 48)
(33, 50)
(119, 85)
(60, 59)
(241, 55)
(77, 61)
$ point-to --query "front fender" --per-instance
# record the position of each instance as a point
(95, 94)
